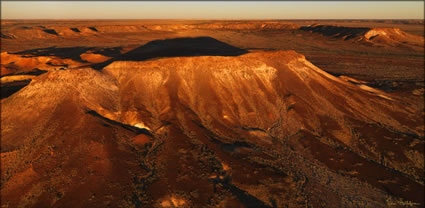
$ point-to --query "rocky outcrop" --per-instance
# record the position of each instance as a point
(378, 36)
(268, 129)
(17, 63)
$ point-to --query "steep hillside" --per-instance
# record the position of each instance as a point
(260, 129)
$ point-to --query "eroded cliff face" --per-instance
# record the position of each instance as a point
(263, 129)
(375, 36)
(254, 90)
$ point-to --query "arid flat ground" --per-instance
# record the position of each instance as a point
(209, 113)
(333, 55)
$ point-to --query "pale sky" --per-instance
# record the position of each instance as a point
(212, 10)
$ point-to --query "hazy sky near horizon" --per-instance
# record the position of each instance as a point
(212, 10)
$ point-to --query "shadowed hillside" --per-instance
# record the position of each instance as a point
(268, 129)
(379, 36)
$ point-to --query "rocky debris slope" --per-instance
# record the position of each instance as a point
(263, 129)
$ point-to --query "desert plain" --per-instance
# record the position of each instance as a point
(212, 113)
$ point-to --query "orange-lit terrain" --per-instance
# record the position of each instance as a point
(178, 113)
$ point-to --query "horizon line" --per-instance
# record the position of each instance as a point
(221, 19)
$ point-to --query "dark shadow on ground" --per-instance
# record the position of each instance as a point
(50, 31)
(75, 29)
(93, 29)
(35, 72)
(4, 36)
(178, 47)
(71, 52)
(336, 31)
(247, 199)
(199, 46)
(9, 89)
